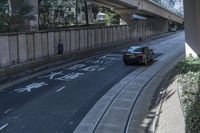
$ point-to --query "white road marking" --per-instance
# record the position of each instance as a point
(29, 88)
(7, 111)
(69, 76)
(52, 75)
(75, 67)
(1, 128)
(60, 89)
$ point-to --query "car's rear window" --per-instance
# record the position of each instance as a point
(134, 49)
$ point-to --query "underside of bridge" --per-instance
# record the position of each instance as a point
(192, 27)
(127, 8)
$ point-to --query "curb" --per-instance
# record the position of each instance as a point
(162, 93)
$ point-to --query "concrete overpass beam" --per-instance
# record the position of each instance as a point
(126, 14)
(192, 27)
(16, 5)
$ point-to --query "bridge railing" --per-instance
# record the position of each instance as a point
(166, 5)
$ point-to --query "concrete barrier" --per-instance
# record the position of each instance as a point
(63, 39)
(13, 45)
(38, 45)
(85, 39)
(51, 43)
(16, 48)
(67, 44)
(22, 48)
(30, 47)
(56, 41)
(4, 51)
(77, 40)
(44, 44)
(73, 41)
(82, 39)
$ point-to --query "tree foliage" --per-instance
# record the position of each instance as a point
(55, 12)
(14, 21)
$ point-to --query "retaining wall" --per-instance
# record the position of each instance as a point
(16, 48)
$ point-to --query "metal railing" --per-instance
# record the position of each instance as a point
(167, 6)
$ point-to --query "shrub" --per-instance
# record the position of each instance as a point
(189, 79)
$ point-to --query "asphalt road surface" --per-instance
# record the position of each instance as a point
(57, 101)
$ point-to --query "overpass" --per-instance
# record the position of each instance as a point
(125, 8)
(147, 8)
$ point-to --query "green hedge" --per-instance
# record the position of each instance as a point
(189, 79)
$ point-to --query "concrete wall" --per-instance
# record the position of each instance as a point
(26, 47)
(192, 27)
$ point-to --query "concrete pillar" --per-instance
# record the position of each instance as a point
(126, 14)
(16, 5)
(192, 27)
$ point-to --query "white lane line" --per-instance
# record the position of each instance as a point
(1, 128)
(7, 111)
(60, 89)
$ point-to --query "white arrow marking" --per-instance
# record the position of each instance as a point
(60, 89)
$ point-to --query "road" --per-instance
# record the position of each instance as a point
(57, 101)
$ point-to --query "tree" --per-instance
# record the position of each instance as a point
(55, 12)
(3, 16)
(14, 21)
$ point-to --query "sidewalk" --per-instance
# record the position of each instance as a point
(171, 119)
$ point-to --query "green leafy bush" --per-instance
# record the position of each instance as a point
(189, 79)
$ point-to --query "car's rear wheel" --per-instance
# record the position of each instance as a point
(152, 58)
(126, 63)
